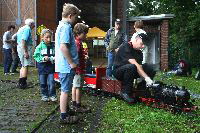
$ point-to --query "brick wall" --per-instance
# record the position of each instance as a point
(164, 45)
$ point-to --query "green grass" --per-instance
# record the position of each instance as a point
(119, 117)
(189, 82)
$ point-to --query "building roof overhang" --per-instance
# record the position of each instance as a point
(152, 17)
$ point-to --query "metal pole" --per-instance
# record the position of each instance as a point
(125, 7)
(35, 22)
(19, 7)
(18, 19)
(111, 15)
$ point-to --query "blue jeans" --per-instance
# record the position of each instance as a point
(7, 60)
(47, 85)
(66, 80)
(15, 62)
(111, 58)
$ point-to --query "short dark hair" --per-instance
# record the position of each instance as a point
(80, 28)
(10, 27)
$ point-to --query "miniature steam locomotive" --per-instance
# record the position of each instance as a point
(158, 95)
(173, 98)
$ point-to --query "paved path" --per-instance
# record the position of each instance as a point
(22, 110)
(89, 122)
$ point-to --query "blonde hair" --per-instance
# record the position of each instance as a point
(80, 28)
(44, 31)
(138, 24)
(70, 9)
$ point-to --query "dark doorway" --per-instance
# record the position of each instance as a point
(93, 12)
(151, 53)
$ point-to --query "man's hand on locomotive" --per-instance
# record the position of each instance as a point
(148, 81)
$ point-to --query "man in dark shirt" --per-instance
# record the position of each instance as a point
(128, 66)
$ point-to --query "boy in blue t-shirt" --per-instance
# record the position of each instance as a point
(66, 58)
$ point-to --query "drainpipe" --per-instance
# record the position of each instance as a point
(125, 8)
(35, 22)
(125, 15)
(19, 7)
(18, 20)
(111, 15)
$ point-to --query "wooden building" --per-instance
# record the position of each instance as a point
(93, 12)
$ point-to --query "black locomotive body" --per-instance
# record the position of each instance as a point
(170, 97)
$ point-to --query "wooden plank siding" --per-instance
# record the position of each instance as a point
(93, 13)
(46, 14)
(9, 14)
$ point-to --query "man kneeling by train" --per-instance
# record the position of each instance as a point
(127, 66)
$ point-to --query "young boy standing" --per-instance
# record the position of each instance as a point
(66, 58)
(44, 55)
(80, 31)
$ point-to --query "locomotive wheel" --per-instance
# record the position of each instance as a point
(171, 109)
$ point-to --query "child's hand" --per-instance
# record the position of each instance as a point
(52, 59)
(46, 58)
(73, 65)
(26, 55)
(86, 57)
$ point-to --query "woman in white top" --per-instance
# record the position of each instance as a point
(138, 25)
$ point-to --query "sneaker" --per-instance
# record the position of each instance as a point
(53, 98)
(11, 73)
(45, 98)
(6, 73)
(82, 109)
(69, 120)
